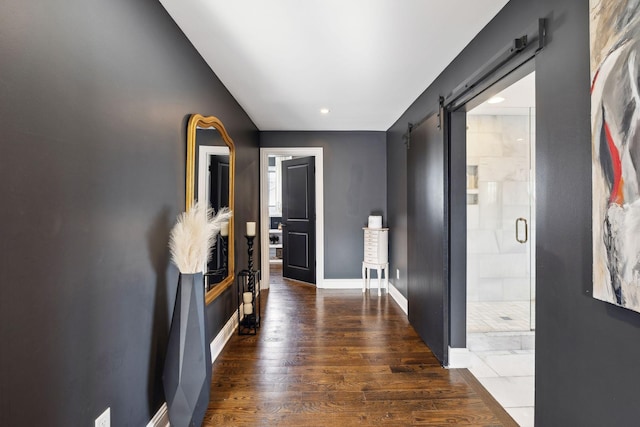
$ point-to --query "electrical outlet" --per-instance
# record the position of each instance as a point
(398, 273)
(104, 420)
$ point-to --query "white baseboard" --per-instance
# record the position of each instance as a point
(399, 298)
(357, 284)
(459, 358)
(223, 336)
(161, 418)
(341, 284)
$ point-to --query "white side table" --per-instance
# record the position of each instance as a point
(376, 255)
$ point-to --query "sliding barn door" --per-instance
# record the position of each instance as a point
(427, 287)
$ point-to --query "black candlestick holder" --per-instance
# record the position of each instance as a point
(252, 283)
(248, 297)
(223, 244)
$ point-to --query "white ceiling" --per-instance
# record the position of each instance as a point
(518, 98)
(365, 60)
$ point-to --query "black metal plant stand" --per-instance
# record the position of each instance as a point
(248, 296)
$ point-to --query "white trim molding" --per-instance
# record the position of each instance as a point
(265, 152)
(459, 358)
(161, 418)
(203, 166)
(341, 284)
(399, 298)
(223, 336)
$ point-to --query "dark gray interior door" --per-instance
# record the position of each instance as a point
(427, 284)
(299, 219)
(218, 198)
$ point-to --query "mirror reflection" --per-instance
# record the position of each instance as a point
(212, 185)
(210, 177)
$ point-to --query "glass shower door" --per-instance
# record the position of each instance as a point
(500, 221)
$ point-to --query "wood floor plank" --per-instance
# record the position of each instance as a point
(340, 358)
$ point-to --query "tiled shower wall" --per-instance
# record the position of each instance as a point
(498, 267)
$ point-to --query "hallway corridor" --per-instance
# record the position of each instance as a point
(341, 358)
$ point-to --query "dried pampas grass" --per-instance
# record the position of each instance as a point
(194, 235)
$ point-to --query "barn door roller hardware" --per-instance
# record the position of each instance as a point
(513, 55)
(510, 57)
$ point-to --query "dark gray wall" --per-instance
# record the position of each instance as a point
(355, 186)
(94, 101)
(397, 207)
(587, 351)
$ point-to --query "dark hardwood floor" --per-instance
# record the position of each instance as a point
(340, 358)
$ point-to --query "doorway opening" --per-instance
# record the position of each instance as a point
(272, 226)
(500, 165)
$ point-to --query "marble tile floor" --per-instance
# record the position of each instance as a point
(499, 316)
(502, 353)
(504, 363)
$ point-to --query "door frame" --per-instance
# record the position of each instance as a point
(531, 216)
(456, 139)
(203, 167)
(315, 152)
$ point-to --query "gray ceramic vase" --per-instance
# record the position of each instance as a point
(187, 368)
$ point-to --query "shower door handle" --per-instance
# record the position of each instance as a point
(526, 230)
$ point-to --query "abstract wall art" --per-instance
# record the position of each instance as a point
(615, 126)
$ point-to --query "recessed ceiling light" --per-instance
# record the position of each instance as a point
(495, 100)
(324, 111)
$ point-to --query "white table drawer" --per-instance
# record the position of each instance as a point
(376, 242)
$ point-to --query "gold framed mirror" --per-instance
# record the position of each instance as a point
(210, 174)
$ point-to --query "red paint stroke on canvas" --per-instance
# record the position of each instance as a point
(593, 83)
(616, 191)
